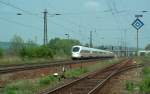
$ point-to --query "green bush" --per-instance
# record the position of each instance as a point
(48, 80)
(20, 87)
(146, 71)
(28, 86)
(130, 86)
(36, 52)
(44, 51)
(56, 47)
(145, 85)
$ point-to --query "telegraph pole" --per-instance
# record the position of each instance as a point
(45, 27)
(125, 44)
(91, 39)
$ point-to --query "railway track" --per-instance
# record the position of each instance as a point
(93, 82)
(21, 67)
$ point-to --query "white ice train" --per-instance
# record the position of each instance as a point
(143, 52)
(81, 52)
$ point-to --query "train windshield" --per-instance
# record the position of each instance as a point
(75, 49)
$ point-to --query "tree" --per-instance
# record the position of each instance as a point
(44, 51)
(29, 49)
(17, 44)
(56, 47)
(62, 47)
(147, 47)
(36, 52)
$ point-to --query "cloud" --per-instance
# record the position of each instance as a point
(94, 5)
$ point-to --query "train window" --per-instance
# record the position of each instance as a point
(76, 49)
(85, 51)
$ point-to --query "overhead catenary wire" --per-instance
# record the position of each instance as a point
(22, 24)
(67, 20)
(31, 13)
(74, 23)
(74, 32)
(111, 5)
(18, 23)
(27, 12)
(13, 6)
(70, 22)
(58, 24)
(113, 11)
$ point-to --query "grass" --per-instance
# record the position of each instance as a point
(144, 84)
(146, 71)
(130, 86)
(76, 72)
(31, 86)
(17, 60)
(47, 80)
(21, 87)
(142, 59)
(101, 65)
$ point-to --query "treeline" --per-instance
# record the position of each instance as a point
(55, 48)
(1, 52)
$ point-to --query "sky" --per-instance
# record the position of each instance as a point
(109, 20)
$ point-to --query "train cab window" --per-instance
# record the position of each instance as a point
(75, 49)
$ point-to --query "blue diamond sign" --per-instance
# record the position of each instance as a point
(137, 24)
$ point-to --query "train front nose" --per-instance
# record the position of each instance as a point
(75, 55)
(76, 52)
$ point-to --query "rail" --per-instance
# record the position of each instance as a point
(93, 82)
(22, 67)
